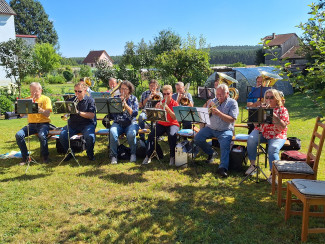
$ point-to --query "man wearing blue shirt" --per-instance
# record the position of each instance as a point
(224, 112)
(84, 121)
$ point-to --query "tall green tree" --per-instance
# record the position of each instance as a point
(17, 58)
(166, 41)
(46, 57)
(187, 64)
(104, 71)
(31, 19)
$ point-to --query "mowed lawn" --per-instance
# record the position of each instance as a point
(130, 203)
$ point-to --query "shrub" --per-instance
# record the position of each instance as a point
(85, 71)
(29, 79)
(5, 104)
(67, 75)
(56, 79)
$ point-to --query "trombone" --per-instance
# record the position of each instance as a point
(113, 90)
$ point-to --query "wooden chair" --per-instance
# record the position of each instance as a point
(297, 169)
(310, 193)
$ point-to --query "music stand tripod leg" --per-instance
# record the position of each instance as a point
(154, 153)
(69, 151)
(30, 159)
(257, 166)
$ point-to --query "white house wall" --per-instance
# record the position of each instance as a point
(7, 31)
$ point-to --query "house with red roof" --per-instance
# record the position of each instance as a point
(95, 56)
(285, 46)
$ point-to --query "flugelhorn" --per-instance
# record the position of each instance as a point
(212, 105)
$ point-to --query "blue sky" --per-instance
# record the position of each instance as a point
(104, 24)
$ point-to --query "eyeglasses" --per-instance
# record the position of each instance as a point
(166, 94)
(269, 97)
(78, 91)
(124, 89)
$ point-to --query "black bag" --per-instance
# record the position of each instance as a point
(295, 144)
(141, 148)
(77, 145)
(106, 122)
(237, 158)
(123, 152)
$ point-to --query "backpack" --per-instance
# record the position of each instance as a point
(123, 152)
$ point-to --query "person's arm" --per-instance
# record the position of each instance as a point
(223, 116)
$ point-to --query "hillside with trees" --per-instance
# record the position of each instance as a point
(234, 54)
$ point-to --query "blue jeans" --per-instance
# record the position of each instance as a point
(274, 146)
(224, 138)
(87, 131)
(142, 118)
(42, 130)
(131, 132)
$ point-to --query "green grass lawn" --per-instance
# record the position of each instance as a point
(131, 203)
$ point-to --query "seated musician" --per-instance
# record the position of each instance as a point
(224, 114)
(112, 83)
(170, 126)
(146, 101)
(38, 123)
(84, 121)
(178, 95)
(274, 134)
(125, 122)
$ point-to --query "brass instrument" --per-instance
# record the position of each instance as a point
(89, 82)
(269, 79)
(185, 101)
(226, 79)
(211, 106)
(113, 90)
(156, 97)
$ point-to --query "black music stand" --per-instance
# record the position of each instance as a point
(260, 116)
(67, 107)
(206, 92)
(27, 106)
(194, 115)
(108, 106)
(154, 115)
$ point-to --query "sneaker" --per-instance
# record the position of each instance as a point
(212, 157)
(250, 169)
(147, 160)
(113, 160)
(172, 162)
(133, 158)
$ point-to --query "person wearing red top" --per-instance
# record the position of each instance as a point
(274, 134)
(171, 126)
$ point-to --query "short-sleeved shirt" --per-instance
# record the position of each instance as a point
(188, 95)
(145, 95)
(44, 102)
(87, 104)
(269, 131)
(132, 102)
(229, 107)
(170, 121)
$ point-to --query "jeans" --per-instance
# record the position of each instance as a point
(131, 132)
(87, 131)
(160, 130)
(142, 118)
(42, 130)
(274, 146)
(224, 138)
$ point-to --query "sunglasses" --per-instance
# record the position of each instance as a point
(166, 94)
(269, 97)
(78, 91)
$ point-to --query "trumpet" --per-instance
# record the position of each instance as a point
(213, 105)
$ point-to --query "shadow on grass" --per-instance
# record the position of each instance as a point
(25, 177)
(197, 214)
(124, 178)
